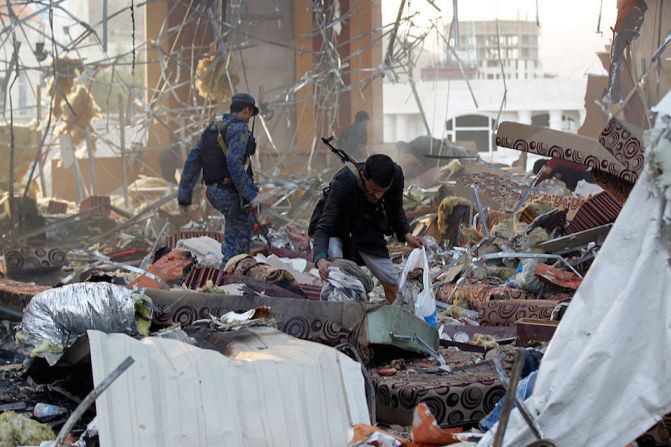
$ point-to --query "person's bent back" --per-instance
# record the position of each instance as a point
(362, 205)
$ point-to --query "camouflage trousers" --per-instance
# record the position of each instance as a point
(239, 221)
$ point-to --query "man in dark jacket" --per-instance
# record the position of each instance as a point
(354, 138)
(568, 172)
(223, 153)
(363, 205)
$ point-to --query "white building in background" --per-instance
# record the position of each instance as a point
(480, 41)
(451, 112)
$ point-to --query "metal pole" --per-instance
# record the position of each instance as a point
(411, 80)
(515, 376)
(122, 145)
(526, 193)
(481, 211)
(105, 15)
(15, 56)
(392, 38)
(524, 411)
(92, 166)
(38, 105)
(90, 398)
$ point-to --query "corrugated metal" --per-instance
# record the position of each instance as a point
(274, 390)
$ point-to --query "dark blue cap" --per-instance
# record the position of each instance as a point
(246, 99)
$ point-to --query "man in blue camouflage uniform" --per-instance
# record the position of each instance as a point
(223, 153)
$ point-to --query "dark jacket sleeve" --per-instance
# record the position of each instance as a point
(341, 188)
(394, 206)
(190, 174)
(237, 137)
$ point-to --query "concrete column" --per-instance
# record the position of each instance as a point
(418, 127)
(524, 116)
(401, 130)
(389, 136)
(555, 119)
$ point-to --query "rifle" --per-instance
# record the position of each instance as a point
(263, 228)
(341, 154)
(349, 162)
(264, 232)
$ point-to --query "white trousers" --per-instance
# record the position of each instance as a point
(382, 268)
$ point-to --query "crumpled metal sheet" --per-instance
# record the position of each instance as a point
(73, 309)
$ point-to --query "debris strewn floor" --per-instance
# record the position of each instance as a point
(534, 314)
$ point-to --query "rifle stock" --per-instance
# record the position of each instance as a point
(341, 154)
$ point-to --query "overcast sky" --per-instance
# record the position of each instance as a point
(568, 39)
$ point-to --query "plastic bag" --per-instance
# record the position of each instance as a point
(339, 287)
(525, 278)
(425, 302)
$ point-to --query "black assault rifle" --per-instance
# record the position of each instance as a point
(341, 154)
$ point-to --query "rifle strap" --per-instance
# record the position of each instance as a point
(220, 137)
(221, 131)
(357, 175)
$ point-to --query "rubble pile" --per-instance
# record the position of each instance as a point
(501, 264)
(529, 301)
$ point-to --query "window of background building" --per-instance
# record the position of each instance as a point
(569, 123)
(476, 128)
(542, 120)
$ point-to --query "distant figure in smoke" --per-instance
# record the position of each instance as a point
(354, 138)
(223, 153)
(566, 171)
(169, 160)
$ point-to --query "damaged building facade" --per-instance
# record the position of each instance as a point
(530, 300)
